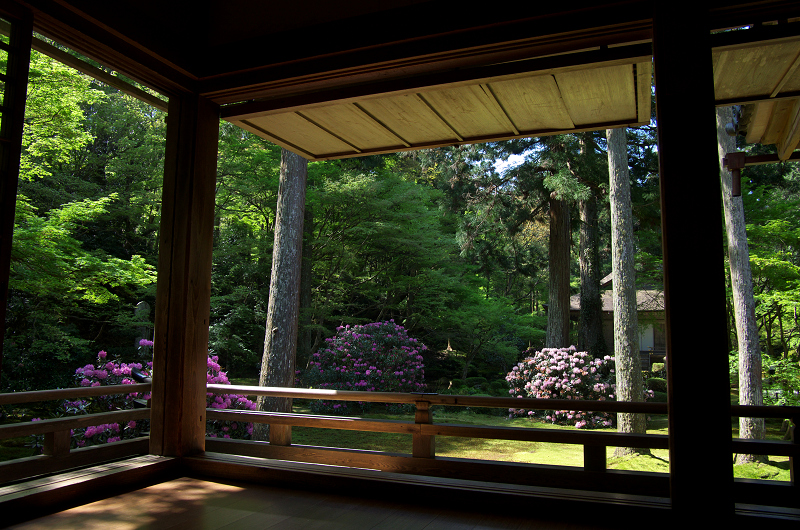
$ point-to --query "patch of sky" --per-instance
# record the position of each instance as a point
(513, 161)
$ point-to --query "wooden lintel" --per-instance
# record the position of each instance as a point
(749, 100)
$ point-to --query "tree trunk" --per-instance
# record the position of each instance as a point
(590, 327)
(742, 286)
(626, 323)
(558, 298)
(280, 340)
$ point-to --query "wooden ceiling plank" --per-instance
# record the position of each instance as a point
(379, 122)
(300, 132)
(330, 132)
(443, 120)
(263, 133)
(534, 103)
(762, 113)
(752, 71)
(493, 99)
(791, 136)
(777, 123)
(644, 84)
(409, 117)
(786, 76)
(351, 125)
(469, 110)
(599, 95)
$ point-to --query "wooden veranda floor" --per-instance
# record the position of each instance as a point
(204, 504)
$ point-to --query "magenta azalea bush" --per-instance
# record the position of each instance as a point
(564, 373)
(113, 372)
(376, 357)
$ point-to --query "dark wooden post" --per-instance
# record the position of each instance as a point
(694, 288)
(423, 446)
(184, 278)
(57, 443)
(594, 458)
(14, 92)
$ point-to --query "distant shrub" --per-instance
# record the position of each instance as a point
(657, 384)
(376, 357)
(564, 373)
(475, 381)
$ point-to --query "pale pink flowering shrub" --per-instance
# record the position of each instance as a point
(564, 373)
(376, 357)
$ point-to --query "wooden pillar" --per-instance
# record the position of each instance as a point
(701, 471)
(184, 278)
(14, 92)
(423, 445)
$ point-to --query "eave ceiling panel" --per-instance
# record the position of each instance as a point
(515, 106)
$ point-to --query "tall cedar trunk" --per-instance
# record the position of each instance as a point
(558, 299)
(280, 340)
(744, 306)
(590, 327)
(626, 323)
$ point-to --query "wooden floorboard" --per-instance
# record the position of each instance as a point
(204, 504)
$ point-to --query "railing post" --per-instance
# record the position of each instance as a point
(280, 435)
(594, 458)
(57, 443)
(423, 446)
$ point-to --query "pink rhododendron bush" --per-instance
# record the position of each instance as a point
(107, 371)
(376, 357)
(564, 373)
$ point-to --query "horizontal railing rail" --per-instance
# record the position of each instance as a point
(37, 396)
(57, 453)
(424, 432)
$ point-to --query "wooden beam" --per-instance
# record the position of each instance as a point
(693, 257)
(183, 293)
(101, 75)
(18, 53)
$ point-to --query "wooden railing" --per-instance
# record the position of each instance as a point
(423, 430)
(57, 454)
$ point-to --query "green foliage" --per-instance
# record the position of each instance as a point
(782, 388)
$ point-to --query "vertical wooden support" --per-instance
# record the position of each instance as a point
(178, 417)
(694, 288)
(594, 458)
(15, 87)
(423, 446)
(280, 435)
(57, 443)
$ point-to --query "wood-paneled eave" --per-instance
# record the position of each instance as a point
(458, 107)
